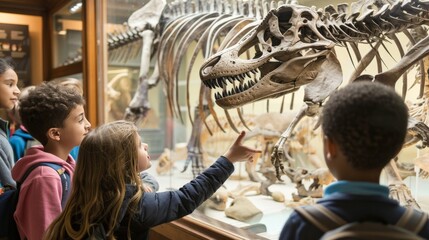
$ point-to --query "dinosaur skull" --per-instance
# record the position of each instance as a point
(288, 53)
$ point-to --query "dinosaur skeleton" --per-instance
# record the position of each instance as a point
(293, 47)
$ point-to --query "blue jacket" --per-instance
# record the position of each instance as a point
(161, 207)
(350, 207)
(75, 152)
(18, 141)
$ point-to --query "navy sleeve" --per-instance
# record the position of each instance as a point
(162, 207)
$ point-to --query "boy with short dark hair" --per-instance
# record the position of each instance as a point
(55, 116)
(364, 126)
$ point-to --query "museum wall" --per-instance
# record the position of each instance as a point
(36, 39)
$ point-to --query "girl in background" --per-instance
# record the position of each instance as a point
(9, 93)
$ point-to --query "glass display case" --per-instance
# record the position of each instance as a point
(167, 134)
(123, 76)
(67, 34)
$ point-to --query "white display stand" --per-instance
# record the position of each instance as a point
(274, 216)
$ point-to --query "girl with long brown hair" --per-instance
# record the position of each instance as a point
(107, 192)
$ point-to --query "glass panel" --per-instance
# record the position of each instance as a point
(67, 34)
(74, 81)
(122, 78)
(163, 130)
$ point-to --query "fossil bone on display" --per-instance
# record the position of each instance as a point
(293, 47)
(266, 130)
(422, 165)
(165, 163)
(217, 201)
(243, 209)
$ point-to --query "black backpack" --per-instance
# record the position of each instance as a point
(9, 200)
(334, 227)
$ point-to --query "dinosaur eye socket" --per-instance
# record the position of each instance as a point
(307, 16)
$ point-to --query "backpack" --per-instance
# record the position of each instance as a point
(9, 200)
(334, 227)
(99, 233)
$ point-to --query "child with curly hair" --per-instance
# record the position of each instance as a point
(54, 116)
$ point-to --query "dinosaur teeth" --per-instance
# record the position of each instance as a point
(206, 83)
(219, 82)
(217, 95)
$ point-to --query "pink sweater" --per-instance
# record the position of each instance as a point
(40, 196)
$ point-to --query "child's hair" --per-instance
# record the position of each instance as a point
(6, 64)
(47, 107)
(368, 121)
(108, 159)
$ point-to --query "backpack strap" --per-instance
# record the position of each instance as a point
(65, 178)
(324, 219)
(27, 172)
(413, 220)
(321, 217)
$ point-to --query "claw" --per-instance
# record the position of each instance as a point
(419, 131)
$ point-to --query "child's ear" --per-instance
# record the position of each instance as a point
(331, 147)
(54, 134)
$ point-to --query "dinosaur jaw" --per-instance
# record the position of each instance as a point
(269, 80)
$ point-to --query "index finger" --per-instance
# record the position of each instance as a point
(240, 138)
